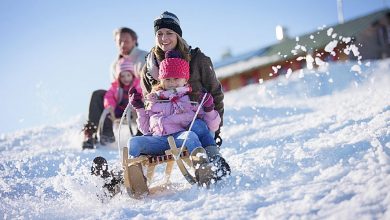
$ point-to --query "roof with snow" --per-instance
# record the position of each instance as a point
(294, 47)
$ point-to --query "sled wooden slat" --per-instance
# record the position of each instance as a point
(174, 150)
(150, 173)
(168, 170)
(155, 160)
(125, 156)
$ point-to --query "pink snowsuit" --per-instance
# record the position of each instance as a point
(112, 95)
(164, 117)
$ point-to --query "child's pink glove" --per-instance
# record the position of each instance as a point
(208, 104)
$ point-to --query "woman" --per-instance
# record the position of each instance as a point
(168, 36)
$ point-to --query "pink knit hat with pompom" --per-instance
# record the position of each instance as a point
(173, 66)
(124, 64)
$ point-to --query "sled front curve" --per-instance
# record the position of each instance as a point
(134, 180)
(131, 122)
(175, 151)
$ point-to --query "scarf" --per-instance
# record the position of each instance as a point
(152, 66)
(172, 95)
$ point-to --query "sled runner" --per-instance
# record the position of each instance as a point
(131, 118)
(137, 185)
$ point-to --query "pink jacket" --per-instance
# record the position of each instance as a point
(165, 118)
(112, 95)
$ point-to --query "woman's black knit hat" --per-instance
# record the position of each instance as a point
(168, 20)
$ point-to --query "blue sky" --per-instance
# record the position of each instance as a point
(55, 53)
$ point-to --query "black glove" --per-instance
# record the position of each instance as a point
(217, 137)
(135, 99)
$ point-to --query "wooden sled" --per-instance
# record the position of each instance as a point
(137, 185)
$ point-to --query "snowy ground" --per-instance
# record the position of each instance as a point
(308, 146)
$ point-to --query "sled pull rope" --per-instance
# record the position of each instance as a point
(189, 129)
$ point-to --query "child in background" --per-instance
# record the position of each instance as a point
(116, 97)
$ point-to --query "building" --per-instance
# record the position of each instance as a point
(366, 37)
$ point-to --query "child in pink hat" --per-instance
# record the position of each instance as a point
(116, 97)
(168, 111)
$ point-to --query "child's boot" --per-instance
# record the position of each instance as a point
(90, 137)
(203, 169)
(222, 168)
(112, 181)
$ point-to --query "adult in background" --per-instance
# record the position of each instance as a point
(168, 36)
(126, 41)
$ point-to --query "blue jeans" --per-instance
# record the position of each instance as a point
(157, 145)
(205, 137)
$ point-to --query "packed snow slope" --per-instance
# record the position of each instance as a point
(310, 145)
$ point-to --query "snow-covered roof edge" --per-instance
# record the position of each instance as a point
(245, 65)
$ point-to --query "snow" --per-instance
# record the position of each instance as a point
(313, 145)
(330, 46)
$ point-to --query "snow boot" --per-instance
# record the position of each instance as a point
(100, 167)
(222, 168)
(203, 168)
(113, 184)
(90, 136)
(112, 181)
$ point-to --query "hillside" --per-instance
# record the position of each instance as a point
(309, 145)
